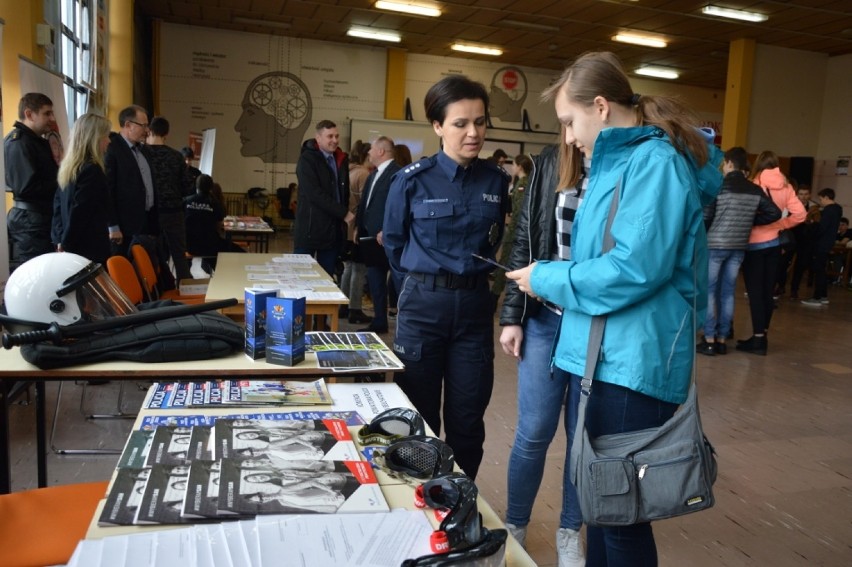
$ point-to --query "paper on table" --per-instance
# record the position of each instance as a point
(236, 544)
(294, 258)
(140, 550)
(88, 552)
(355, 540)
(369, 400)
(174, 547)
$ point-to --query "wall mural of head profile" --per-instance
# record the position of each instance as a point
(507, 94)
(277, 110)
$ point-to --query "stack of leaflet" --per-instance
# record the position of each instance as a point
(379, 540)
(239, 468)
(245, 393)
(347, 352)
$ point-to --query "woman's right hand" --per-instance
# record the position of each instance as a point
(511, 340)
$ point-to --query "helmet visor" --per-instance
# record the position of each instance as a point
(98, 296)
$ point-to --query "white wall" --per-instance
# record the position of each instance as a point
(787, 90)
(835, 134)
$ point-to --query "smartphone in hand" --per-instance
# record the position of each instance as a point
(492, 262)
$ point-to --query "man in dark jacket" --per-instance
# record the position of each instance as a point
(740, 205)
(371, 215)
(323, 206)
(829, 221)
(172, 183)
(130, 183)
(31, 177)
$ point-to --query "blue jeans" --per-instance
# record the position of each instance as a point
(541, 395)
(615, 409)
(721, 282)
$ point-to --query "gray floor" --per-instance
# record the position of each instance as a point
(782, 425)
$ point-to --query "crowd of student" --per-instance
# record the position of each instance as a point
(632, 167)
(107, 190)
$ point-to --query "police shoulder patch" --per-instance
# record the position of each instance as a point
(14, 134)
(417, 167)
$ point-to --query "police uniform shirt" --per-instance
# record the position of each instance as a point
(438, 213)
(30, 168)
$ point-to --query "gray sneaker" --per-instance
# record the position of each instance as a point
(518, 532)
(813, 302)
(569, 548)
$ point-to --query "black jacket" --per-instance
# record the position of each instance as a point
(739, 206)
(370, 218)
(535, 233)
(30, 168)
(322, 205)
(126, 188)
(81, 215)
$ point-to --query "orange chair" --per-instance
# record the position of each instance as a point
(148, 276)
(121, 271)
(43, 526)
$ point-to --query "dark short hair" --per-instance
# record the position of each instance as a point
(129, 113)
(499, 153)
(325, 125)
(34, 102)
(159, 126)
(844, 220)
(187, 152)
(204, 183)
(448, 90)
(739, 157)
(828, 193)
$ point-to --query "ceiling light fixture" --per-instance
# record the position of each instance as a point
(380, 35)
(636, 39)
(406, 8)
(262, 23)
(476, 49)
(657, 72)
(711, 10)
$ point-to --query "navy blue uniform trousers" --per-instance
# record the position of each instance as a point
(445, 338)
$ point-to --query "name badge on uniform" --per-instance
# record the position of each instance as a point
(493, 234)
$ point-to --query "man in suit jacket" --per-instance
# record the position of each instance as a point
(371, 214)
(132, 206)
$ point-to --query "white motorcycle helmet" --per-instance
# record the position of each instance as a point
(63, 288)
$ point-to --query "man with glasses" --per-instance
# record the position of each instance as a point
(133, 207)
(31, 178)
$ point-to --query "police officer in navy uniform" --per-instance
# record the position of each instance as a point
(439, 212)
(31, 177)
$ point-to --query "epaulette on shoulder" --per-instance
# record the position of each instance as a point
(494, 167)
(417, 167)
(14, 134)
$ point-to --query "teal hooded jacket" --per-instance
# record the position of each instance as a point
(652, 285)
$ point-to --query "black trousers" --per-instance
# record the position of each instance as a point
(760, 268)
(445, 338)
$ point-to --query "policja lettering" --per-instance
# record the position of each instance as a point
(489, 198)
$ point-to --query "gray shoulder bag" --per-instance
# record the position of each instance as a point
(640, 476)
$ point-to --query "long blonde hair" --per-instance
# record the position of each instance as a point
(83, 147)
(570, 163)
(600, 73)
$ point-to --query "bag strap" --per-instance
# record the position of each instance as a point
(596, 331)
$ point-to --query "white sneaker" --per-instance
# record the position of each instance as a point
(518, 532)
(569, 548)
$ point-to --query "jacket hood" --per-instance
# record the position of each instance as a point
(771, 179)
(708, 177)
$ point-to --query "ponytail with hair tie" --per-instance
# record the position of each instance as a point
(634, 100)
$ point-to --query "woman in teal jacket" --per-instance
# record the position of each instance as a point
(652, 284)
